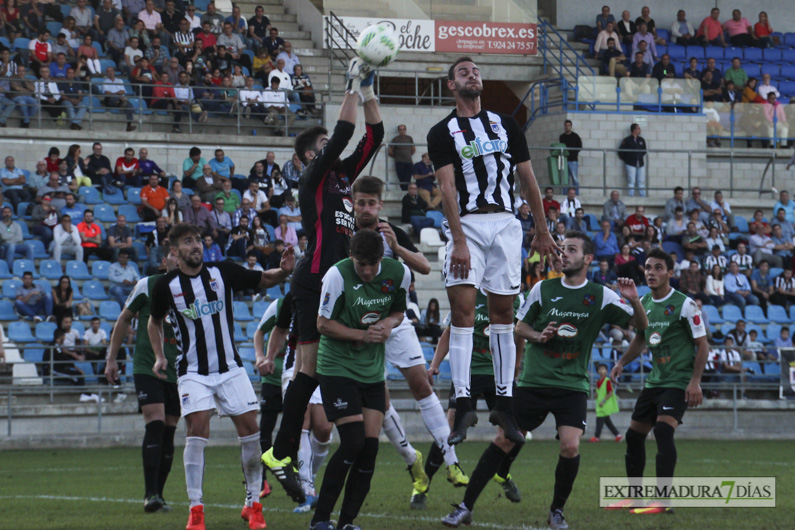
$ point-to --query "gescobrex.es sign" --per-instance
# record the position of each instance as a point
(418, 35)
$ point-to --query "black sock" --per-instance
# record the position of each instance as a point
(635, 457)
(487, 466)
(502, 403)
(507, 462)
(166, 458)
(565, 474)
(150, 451)
(358, 484)
(666, 449)
(351, 444)
(296, 399)
(462, 405)
(267, 422)
(434, 461)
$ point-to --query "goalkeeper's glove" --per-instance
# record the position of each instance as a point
(360, 77)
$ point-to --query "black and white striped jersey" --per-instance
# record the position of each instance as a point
(483, 150)
(201, 311)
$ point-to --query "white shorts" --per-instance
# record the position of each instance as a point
(495, 249)
(287, 375)
(230, 393)
(403, 348)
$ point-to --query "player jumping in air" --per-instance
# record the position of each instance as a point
(476, 154)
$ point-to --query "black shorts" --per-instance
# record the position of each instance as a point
(306, 304)
(531, 406)
(343, 396)
(480, 386)
(271, 398)
(654, 402)
(151, 390)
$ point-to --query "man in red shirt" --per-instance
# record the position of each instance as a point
(549, 200)
(91, 237)
(710, 32)
(153, 199)
(145, 74)
(637, 223)
(207, 37)
(163, 98)
(127, 168)
(40, 51)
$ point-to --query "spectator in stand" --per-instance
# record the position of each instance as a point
(180, 197)
(14, 183)
(62, 299)
(153, 23)
(549, 200)
(55, 190)
(787, 230)
(738, 288)
(290, 59)
(58, 66)
(785, 203)
(782, 245)
(245, 211)
(402, 148)
(710, 31)
(98, 165)
(194, 22)
(643, 34)
(239, 237)
(750, 95)
(711, 87)
(300, 250)
(40, 51)
(285, 232)
(692, 282)
(48, 94)
(171, 18)
(66, 238)
(614, 210)
(147, 167)
(105, 19)
(223, 168)
(133, 53)
(626, 265)
(744, 261)
(614, 62)
(719, 203)
(84, 19)
(759, 225)
(762, 284)
(682, 31)
(91, 237)
(663, 69)
(523, 214)
(72, 94)
(573, 146)
(281, 189)
(292, 170)
(184, 42)
(604, 275)
(603, 18)
(25, 98)
(569, 205)
(193, 168)
(717, 246)
(715, 288)
(113, 90)
(251, 101)
(639, 68)
(763, 247)
(292, 211)
(120, 239)
(116, 40)
(209, 185)
(223, 222)
(198, 215)
(739, 30)
(552, 219)
(258, 201)
(122, 276)
(777, 128)
(626, 29)
(695, 202)
(274, 44)
(38, 179)
(45, 218)
(155, 251)
(31, 301)
(674, 202)
(234, 45)
(782, 341)
(579, 222)
(425, 176)
(127, 168)
(145, 75)
(71, 209)
(11, 240)
(645, 18)
(413, 210)
(601, 39)
(763, 31)
(153, 199)
(701, 228)
(637, 223)
(736, 73)
(214, 19)
(259, 28)
(632, 153)
(231, 199)
(784, 294)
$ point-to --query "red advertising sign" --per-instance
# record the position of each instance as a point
(486, 37)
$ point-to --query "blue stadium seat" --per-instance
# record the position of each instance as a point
(787, 88)
(258, 309)
(675, 51)
(140, 249)
(772, 55)
(99, 269)
(778, 314)
(77, 270)
(109, 310)
(788, 55)
(20, 332)
(772, 331)
(88, 370)
(393, 373)
(732, 313)
(251, 328)
(789, 40)
(773, 69)
(21, 207)
(437, 217)
(775, 271)
(427, 351)
(5, 42)
(85, 317)
(712, 314)
(274, 292)
(79, 327)
(716, 52)
(664, 34)
(7, 310)
(10, 288)
(753, 55)
(240, 310)
(115, 199)
(100, 51)
(33, 355)
(39, 252)
(94, 290)
(45, 330)
(788, 71)
(248, 354)
(643, 290)
(754, 313)
(730, 53)
(21, 43)
(773, 369)
(45, 285)
(104, 213)
(742, 224)
(271, 232)
(694, 51)
(90, 195)
(134, 196)
(239, 335)
(25, 231)
(5, 274)
(107, 327)
(661, 50)
(445, 374)
(673, 246)
(22, 266)
(130, 211)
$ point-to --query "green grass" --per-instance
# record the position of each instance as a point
(102, 488)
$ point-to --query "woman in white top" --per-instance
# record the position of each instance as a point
(715, 239)
(714, 288)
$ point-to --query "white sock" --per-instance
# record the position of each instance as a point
(503, 356)
(305, 463)
(436, 421)
(250, 453)
(319, 453)
(397, 435)
(461, 358)
(193, 460)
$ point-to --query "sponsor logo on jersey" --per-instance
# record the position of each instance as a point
(340, 405)
(371, 317)
(567, 330)
(655, 339)
(487, 331)
(371, 301)
(348, 204)
(198, 310)
(567, 314)
(326, 298)
(589, 299)
(696, 320)
(669, 310)
(214, 285)
(387, 286)
(478, 147)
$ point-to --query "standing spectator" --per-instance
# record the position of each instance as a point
(637, 223)
(738, 288)
(573, 145)
(633, 152)
(777, 128)
(14, 183)
(626, 29)
(614, 211)
(603, 18)
(66, 237)
(123, 276)
(784, 294)
(120, 239)
(739, 30)
(259, 27)
(682, 31)
(413, 210)
(91, 237)
(11, 240)
(31, 301)
(425, 177)
(402, 148)
(710, 31)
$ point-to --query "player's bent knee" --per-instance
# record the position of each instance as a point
(569, 449)
(502, 442)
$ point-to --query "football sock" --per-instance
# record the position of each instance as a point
(151, 450)
(250, 454)
(503, 355)
(487, 466)
(434, 461)
(565, 473)
(358, 484)
(461, 358)
(666, 449)
(193, 458)
(166, 458)
(507, 462)
(635, 457)
(304, 462)
(267, 422)
(397, 435)
(319, 453)
(436, 422)
(295, 401)
(351, 444)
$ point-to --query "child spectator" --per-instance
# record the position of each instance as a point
(783, 341)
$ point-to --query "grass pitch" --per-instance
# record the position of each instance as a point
(103, 488)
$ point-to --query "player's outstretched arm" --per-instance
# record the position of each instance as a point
(442, 348)
(157, 338)
(459, 257)
(627, 289)
(693, 393)
(542, 242)
(286, 265)
(116, 338)
(633, 350)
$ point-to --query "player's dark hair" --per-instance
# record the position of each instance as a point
(587, 244)
(180, 230)
(660, 254)
(367, 246)
(369, 185)
(451, 70)
(307, 140)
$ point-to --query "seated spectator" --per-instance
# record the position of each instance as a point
(259, 240)
(692, 240)
(208, 186)
(222, 166)
(213, 18)
(721, 228)
(614, 210)
(280, 188)
(605, 244)
(231, 199)
(123, 276)
(154, 245)
(31, 301)
(757, 349)
(730, 361)
(223, 222)
(674, 202)
(639, 68)
(569, 205)
(302, 85)
(714, 287)
(719, 203)
(692, 71)
(626, 29)
(91, 237)
(95, 340)
(14, 183)
(782, 341)
(274, 44)
(275, 103)
(710, 31)
(525, 218)
(115, 95)
(212, 252)
(626, 265)
(736, 73)
(711, 87)
(413, 210)
(604, 18)
(292, 170)
(785, 203)
(682, 31)
(285, 232)
(738, 288)
(664, 69)
(127, 171)
(120, 238)
(62, 298)
(251, 101)
(614, 62)
(744, 261)
(64, 368)
(259, 27)
(762, 284)
(643, 35)
(292, 211)
(782, 245)
(157, 54)
(739, 30)
(192, 167)
(153, 199)
(749, 92)
(763, 32)
(715, 257)
(274, 258)
(601, 39)
(198, 215)
(11, 239)
(787, 230)
(777, 128)
(425, 177)
(692, 282)
(784, 294)
(677, 226)
(549, 200)
(759, 225)
(711, 67)
(239, 238)
(697, 203)
(71, 209)
(605, 275)
(45, 219)
(645, 18)
(66, 237)
(637, 223)
(579, 222)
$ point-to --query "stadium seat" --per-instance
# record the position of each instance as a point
(259, 309)
(777, 313)
(742, 224)
(788, 71)
(269, 229)
(107, 327)
(694, 51)
(7, 310)
(240, 310)
(90, 195)
(10, 289)
(251, 328)
(134, 196)
(775, 271)
(45, 285)
(430, 237)
(773, 69)
(39, 252)
(140, 249)
(712, 314)
(772, 55)
(104, 213)
(45, 330)
(99, 269)
(772, 332)
(773, 369)
(21, 43)
(643, 290)
(445, 374)
(21, 207)
(437, 217)
(732, 313)
(114, 199)
(25, 231)
(85, 317)
(22, 266)
(673, 246)
(789, 40)
(664, 34)
(715, 52)
(754, 313)
(753, 55)
(5, 274)
(274, 292)
(109, 310)
(677, 52)
(20, 332)
(94, 290)
(787, 88)
(427, 352)
(130, 212)
(247, 355)
(33, 355)
(787, 56)
(239, 335)
(393, 373)
(77, 270)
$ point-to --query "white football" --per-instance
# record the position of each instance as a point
(378, 45)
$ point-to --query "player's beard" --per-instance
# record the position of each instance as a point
(366, 222)
(469, 93)
(190, 260)
(574, 267)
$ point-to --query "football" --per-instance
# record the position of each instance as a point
(377, 45)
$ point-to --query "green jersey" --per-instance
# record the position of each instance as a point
(580, 312)
(279, 313)
(674, 323)
(144, 358)
(346, 299)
